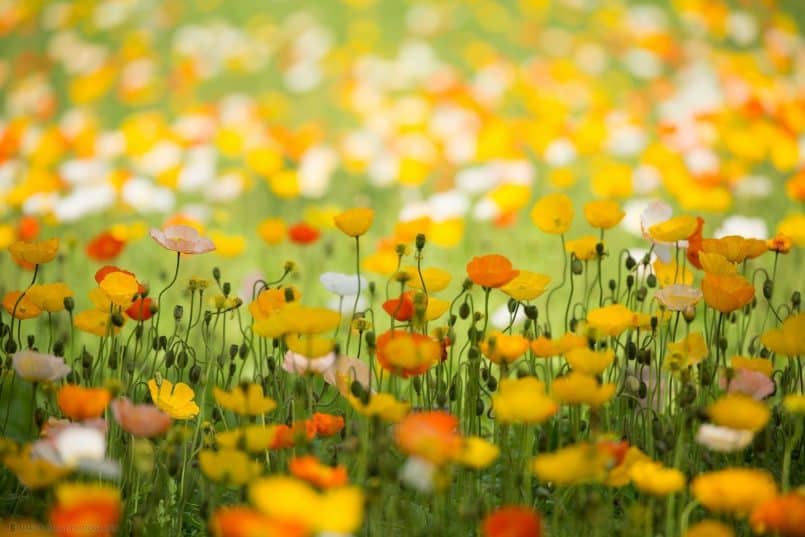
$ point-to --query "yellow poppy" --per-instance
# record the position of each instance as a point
(174, 400)
(355, 222)
(522, 401)
(49, 296)
(603, 214)
(526, 285)
(245, 400)
(229, 466)
(35, 253)
(553, 213)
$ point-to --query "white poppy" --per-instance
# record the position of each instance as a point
(418, 474)
(343, 284)
(723, 439)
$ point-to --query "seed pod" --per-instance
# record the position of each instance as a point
(576, 267)
(178, 312)
(420, 241)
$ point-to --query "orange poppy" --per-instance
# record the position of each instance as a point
(314, 472)
(28, 228)
(237, 521)
(327, 424)
(491, 270)
(430, 435)
(402, 308)
(104, 247)
(695, 244)
(405, 353)
(727, 292)
(735, 248)
(85, 509)
(20, 308)
(303, 233)
(79, 403)
(783, 515)
(512, 521)
(286, 436)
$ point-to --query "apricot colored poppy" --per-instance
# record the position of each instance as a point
(81, 505)
(104, 247)
(782, 515)
(20, 306)
(405, 353)
(80, 403)
(238, 521)
(303, 233)
(491, 270)
(727, 293)
(327, 424)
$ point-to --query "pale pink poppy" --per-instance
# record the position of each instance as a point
(184, 239)
(746, 381)
(678, 297)
(140, 420)
(299, 364)
(344, 371)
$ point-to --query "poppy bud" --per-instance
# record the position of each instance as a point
(372, 288)
(630, 263)
(420, 241)
(464, 310)
(112, 361)
(599, 248)
(654, 322)
(117, 319)
(178, 312)
(573, 324)
(226, 288)
(796, 299)
(641, 294)
(356, 389)
(58, 348)
(613, 285)
(365, 396)
(138, 331)
(441, 399)
(31, 341)
(453, 391)
(170, 358)
(216, 414)
(289, 296)
(531, 312)
(163, 342)
(370, 338)
(631, 350)
(644, 356)
(479, 407)
(689, 314)
(417, 384)
(181, 360)
(271, 364)
(651, 281)
(492, 384)
(511, 305)
(232, 369)
(216, 274)
(467, 285)
(69, 303)
(207, 317)
(288, 267)
(576, 267)
(768, 289)
(195, 374)
(243, 351)
(451, 321)
(233, 351)
(473, 354)
(629, 281)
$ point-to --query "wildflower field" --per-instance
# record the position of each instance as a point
(402, 268)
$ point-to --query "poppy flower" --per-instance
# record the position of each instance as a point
(678, 297)
(382, 405)
(787, 340)
(653, 478)
(27, 228)
(553, 213)
(82, 505)
(579, 389)
(727, 293)
(20, 306)
(310, 469)
(141, 309)
(238, 521)
(228, 466)
(270, 301)
(95, 321)
(477, 453)
(287, 436)
(780, 243)
(675, 229)
(522, 401)
(512, 521)
(183, 239)
(526, 285)
(80, 403)
(174, 400)
(355, 222)
(402, 308)
(145, 421)
(272, 230)
(603, 214)
(734, 248)
(783, 515)
(695, 244)
(723, 439)
(491, 270)
(49, 296)
(299, 363)
(303, 233)
(407, 353)
(504, 348)
(104, 247)
(36, 252)
(32, 471)
(38, 367)
(120, 288)
(739, 411)
(584, 248)
(327, 424)
(735, 491)
(247, 400)
(432, 436)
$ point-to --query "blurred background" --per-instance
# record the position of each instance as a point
(452, 116)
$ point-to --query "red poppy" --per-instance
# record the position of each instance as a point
(104, 247)
(140, 309)
(303, 233)
(512, 521)
(402, 308)
(695, 244)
